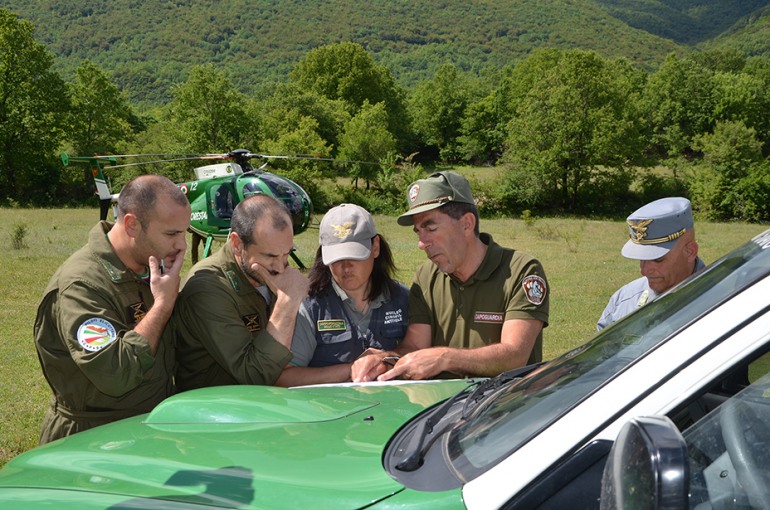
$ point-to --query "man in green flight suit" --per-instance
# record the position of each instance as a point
(475, 308)
(237, 309)
(101, 330)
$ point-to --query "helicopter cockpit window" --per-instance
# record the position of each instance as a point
(223, 202)
(282, 190)
(290, 197)
(251, 188)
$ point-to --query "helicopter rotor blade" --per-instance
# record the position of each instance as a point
(103, 156)
(171, 158)
(168, 160)
(311, 157)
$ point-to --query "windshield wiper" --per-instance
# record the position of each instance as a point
(414, 460)
(479, 394)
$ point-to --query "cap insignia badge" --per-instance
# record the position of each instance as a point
(639, 229)
(344, 230)
(413, 192)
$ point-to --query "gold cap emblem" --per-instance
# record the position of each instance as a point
(344, 230)
(638, 229)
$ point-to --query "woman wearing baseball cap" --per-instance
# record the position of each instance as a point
(353, 304)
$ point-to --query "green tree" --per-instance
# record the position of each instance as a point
(577, 119)
(308, 173)
(438, 108)
(284, 109)
(346, 71)
(484, 125)
(483, 130)
(101, 116)
(726, 61)
(207, 114)
(366, 139)
(100, 120)
(33, 107)
(742, 97)
(733, 181)
(758, 69)
(679, 101)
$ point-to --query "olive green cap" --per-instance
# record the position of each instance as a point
(434, 191)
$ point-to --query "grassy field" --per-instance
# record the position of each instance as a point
(581, 259)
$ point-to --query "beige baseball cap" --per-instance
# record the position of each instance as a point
(346, 232)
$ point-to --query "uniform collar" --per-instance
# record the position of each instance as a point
(109, 262)
(374, 303)
(225, 258)
(488, 265)
(699, 264)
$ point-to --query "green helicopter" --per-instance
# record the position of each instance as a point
(214, 193)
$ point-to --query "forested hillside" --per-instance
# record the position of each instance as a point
(687, 22)
(148, 46)
(581, 106)
(750, 35)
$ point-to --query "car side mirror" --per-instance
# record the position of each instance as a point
(647, 468)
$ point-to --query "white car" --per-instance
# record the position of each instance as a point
(543, 441)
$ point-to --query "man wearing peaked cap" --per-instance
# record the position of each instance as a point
(353, 303)
(662, 239)
(475, 308)
(433, 192)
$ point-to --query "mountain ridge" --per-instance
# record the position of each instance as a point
(149, 46)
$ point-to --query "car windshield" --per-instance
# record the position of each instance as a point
(520, 411)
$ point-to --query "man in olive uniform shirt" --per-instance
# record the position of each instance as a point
(237, 309)
(475, 308)
(101, 329)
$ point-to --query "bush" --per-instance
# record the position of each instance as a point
(519, 190)
(388, 193)
(608, 192)
(19, 236)
(653, 187)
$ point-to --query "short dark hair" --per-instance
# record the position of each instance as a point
(457, 210)
(320, 275)
(141, 194)
(257, 208)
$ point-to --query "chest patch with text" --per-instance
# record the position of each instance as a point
(490, 317)
(331, 325)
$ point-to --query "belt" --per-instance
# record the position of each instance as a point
(112, 414)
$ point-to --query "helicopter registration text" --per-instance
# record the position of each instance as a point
(199, 216)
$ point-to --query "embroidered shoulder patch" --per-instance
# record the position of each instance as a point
(252, 322)
(96, 334)
(493, 317)
(136, 312)
(534, 288)
(331, 325)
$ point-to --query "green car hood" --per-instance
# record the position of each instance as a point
(230, 447)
